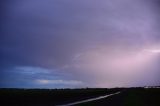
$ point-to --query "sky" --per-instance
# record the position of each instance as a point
(79, 43)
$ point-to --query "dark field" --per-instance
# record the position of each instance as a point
(46, 97)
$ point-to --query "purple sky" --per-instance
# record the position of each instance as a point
(79, 43)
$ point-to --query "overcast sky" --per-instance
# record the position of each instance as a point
(79, 43)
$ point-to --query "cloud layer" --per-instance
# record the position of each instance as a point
(105, 43)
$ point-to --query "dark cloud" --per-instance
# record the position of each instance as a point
(55, 34)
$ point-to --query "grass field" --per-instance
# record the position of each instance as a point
(51, 97)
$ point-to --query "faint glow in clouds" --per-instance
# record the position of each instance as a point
(120, 66)
(153, 50)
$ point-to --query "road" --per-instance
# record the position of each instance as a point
(89, 100)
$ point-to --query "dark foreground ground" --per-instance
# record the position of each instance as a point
(46, 97)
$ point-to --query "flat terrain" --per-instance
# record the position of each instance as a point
(52, 97)
(130, 97)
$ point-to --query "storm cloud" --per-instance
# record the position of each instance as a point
(106, 43)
